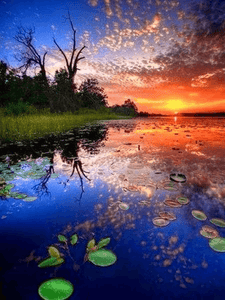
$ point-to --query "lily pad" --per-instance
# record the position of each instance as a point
(56, 289)
(183, 200)
(103, 243)
(30, 199)
(73, 239)
(172, 203)
(19, 196)
(199, 215)
(51, 262)
(102, 257)
(217, 244)
(218, 222)
(178, 177)
(54, 252)
(90, 244)
(209, 232)
(124, 206)
(170, 186)
(160, 222)
(167, 215)
(62, 238)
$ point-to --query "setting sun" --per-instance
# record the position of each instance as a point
(175, 105)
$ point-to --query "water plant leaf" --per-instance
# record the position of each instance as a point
(160, 222)
(103, 243)
(54, 252)
(19, 196)
(50, 262)
(62, 238)
(167, 215)
(218, 222)
(178, 177)
(183, 200)
(209, 232)
(124, 206)
(102, 257)
(8, 187)
(56, 289)
(199, 215)
(30, 199)
(91, 245)
(172, 203)
(217, 244)
(73, 239)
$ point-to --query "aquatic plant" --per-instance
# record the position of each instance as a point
(218, 222)
(124, 206)
(183, 200)
(199, 215)
(178, 177)
(56, 289)
(217, 244)
(167, 215)
(97, 255)
(160, 222)
(172, 203)
(209, 232)
(54, 259)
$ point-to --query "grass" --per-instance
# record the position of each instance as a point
(42, 123)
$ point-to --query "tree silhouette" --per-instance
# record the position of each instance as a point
(72, 66)
(30, 56)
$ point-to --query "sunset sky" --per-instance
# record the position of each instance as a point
(166, 56)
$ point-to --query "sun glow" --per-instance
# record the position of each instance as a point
(175, 105)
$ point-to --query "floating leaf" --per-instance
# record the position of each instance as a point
(73, 239)
(62, 238)
(20, 196)
(172, 203)
(183, 200)
(218, 222)
(167, 215)
(217, 244)
(30, 199)
(51, 262)
(103, 243)
(55, 289)
(54, 252)
(8, 187)
(91, 244)
(199, 215)
(102, 257)
(160, 222)
(170, 186)
(178, 177)
(124, 206)
(209, 232)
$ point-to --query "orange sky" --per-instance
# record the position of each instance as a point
(166, 56)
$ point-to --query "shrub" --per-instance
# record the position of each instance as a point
(17, 108)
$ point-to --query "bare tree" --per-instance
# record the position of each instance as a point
(30, 56)
(72, 66)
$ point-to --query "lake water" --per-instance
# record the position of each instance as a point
(102, 169)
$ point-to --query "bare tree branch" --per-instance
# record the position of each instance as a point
(71, 67)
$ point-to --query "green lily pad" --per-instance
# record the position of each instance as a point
(8, 187)
(56, 289)
(62, 238)
(73, 239)
(103, 243)
(124, 206)
(218, 222)
(217, 244)
(30, 199)
(167, 215)
(102, 257)
(160, 222)
(19, 196)
(51, 262)
(183, 200)
(178, 177)
(90, 244)
(54, 252)
(172, 203)
(209, 232)
(199, 215)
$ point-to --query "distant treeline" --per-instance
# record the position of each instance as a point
(215, 114)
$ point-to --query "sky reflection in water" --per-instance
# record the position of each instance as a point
(132, 164)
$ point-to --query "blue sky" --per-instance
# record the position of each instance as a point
(147, 51)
